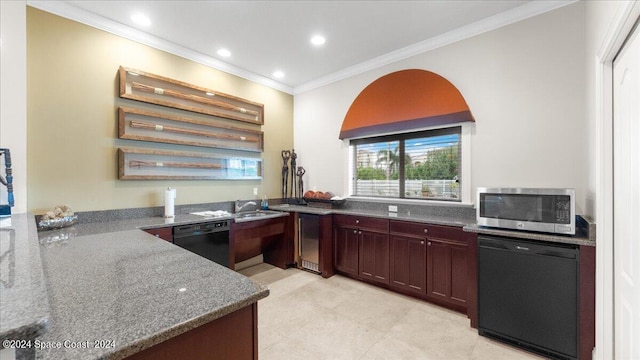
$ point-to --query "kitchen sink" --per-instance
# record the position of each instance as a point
(257, 215)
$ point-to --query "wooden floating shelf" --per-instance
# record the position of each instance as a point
(148, 164)
(155, 89)
(145, 125)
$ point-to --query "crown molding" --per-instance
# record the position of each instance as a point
(533, 8)
(520, 13)
(65, 10)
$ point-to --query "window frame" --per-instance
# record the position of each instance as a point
(464, 132)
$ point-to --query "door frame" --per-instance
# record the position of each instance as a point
(619, 29)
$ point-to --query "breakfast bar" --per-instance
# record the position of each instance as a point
(113, 294)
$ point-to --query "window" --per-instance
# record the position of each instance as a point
(419, 165)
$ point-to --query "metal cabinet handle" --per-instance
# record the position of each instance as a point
(429, 243)
(422, 242)
(355, 231)
(359, 232)
(426, 231)
(357, 221)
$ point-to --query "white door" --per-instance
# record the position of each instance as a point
(626, 195)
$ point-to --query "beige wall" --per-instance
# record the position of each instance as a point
(524, 84)
(72, 123)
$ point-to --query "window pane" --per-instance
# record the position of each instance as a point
(377, 169)
(420, 165)
(432, 167)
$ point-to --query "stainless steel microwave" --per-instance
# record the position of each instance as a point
(543, 210)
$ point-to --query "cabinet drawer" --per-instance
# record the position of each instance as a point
(362, 222)
(409, 228)
(454, 234)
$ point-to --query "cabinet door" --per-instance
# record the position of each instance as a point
(346, 249)
(447, 271)
(407, 268)
(374, 256)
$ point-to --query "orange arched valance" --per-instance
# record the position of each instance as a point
(402, 101)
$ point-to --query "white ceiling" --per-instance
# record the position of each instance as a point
(265, 36)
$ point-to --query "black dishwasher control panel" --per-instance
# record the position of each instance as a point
(202, 228)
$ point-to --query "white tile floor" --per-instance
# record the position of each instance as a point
(308, 317)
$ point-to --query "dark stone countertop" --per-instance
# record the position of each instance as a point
(452, 216)
(412, 216)
(24, 305)
(111, 281)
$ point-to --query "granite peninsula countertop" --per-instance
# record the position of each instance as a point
(111, 281)
(24, 305)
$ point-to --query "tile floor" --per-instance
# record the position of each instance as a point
(308, 317)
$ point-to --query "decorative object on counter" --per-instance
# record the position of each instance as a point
(145, 164)
(169, 202)
(294, 158)
(286, 154)
(159, 90)
(5, 210)
(62, 216)
(301, 171)
(136, 124)
(325, 200)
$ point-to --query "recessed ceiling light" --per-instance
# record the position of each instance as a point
(141, 19)
(224, 52)
(318, 40)
(278, 74)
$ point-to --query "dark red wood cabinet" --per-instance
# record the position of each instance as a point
(447, 271)
(231, 337)
(346, 249)
(433, 262)
(408, 256)
(407, 268)
(361, 247)
(164, 233)
(374, 256)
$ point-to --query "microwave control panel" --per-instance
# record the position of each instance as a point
(563, 210)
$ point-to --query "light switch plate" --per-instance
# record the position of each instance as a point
(393, 208)
(255, 191)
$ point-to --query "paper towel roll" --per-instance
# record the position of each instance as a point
(169, 202)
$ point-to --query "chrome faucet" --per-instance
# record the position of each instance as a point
(239, 208)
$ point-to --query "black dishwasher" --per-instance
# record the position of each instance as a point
(209, 240)
(528, 294)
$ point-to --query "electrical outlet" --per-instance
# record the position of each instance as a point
(393, 208)
(255, 191)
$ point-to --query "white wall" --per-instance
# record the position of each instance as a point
(524, 84)
(598, 18)
(13, 97)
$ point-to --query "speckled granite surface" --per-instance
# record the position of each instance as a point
(124, 286)
(578, 239)
(460, 216)
(24, 305)
(437, 215)
(85, 217)
(91, 228)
